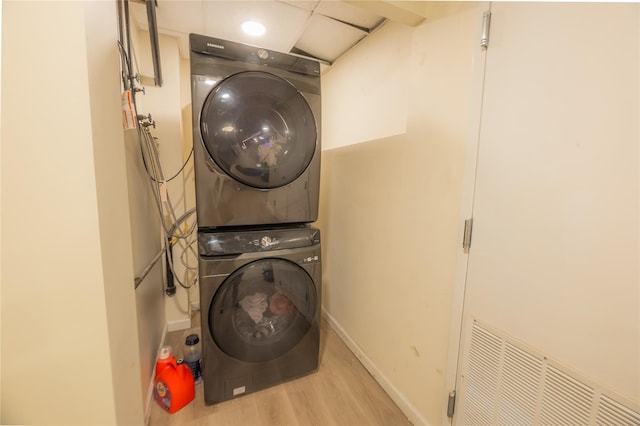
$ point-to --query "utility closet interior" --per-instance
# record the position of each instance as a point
(450, 189)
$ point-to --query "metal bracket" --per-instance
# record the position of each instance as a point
(486, 26)
(468, 228)
(451, 405)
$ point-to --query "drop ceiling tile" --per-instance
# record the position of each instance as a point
(327, 39)
(303, 4)
(348, 13)
(180, 16)
(286, 22)
(283, 22)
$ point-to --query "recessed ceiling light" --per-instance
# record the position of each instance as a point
(253, 28)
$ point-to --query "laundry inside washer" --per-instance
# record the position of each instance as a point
(262, 308)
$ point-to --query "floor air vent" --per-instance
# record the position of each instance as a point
(504, 383)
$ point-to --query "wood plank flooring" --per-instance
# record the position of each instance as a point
(341, 393)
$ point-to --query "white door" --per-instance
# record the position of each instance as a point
(551, 319)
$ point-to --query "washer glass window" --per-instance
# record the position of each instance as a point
(262, 310)
(259, 129)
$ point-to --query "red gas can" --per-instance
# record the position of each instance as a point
(173, 386)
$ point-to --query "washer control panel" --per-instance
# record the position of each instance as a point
(266, 242)
(223, 243)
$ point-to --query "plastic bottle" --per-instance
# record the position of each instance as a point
(164, 358)
(173, 385)
(193, 356)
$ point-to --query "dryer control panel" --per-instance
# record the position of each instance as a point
(243, 52)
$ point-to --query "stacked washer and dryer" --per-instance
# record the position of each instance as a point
(256, 142)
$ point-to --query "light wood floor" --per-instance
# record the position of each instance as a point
(341, 393)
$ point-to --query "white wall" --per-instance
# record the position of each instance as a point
(113, 209)
(390, 206)
(369, 90)
(145, 240)
(69, 352)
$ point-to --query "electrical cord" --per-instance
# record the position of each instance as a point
(184, 262)
(175, 175)
(158, 173)
(156, 169)
(169, 231)
(153, 168)
(181, 168)
(125, 75)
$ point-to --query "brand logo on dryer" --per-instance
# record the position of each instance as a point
(217, 46)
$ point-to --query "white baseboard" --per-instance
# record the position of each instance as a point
(149, 398)
(407, 408)
(177, 325)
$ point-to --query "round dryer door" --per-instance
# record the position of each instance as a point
(259, 129)
(262, 310)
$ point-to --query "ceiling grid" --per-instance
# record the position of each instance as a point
(322, 29)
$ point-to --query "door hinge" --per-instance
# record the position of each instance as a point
(486, 26)
(466, 240)
(451, 405)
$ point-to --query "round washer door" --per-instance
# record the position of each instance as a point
(259, 129)
(262, 310)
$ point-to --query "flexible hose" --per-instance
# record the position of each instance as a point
(153, 169)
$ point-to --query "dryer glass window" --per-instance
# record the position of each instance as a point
(263, 310)
(259, 129)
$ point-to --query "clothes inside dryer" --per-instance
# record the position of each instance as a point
(259, 129)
